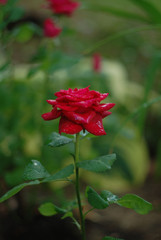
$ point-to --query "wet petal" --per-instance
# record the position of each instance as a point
(72, 92)
(104, 107)
(51, 115)
(67, 107)
(79, 118)
(85, 104)
(67, 98)
(103, 96)
(95, 126)
(86, 96)
(105, 114)
(68, 126)
(52, 102)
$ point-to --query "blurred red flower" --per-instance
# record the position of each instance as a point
(97, 60)
(3, 1)
(79, 109)
(64, 7)
(50, 29)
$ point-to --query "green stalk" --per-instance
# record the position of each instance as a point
(77, 187)
(119, 35)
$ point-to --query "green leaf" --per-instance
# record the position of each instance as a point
(118, 35)
(70, 214)
(61, 175)
(60, 210)
(4, 67)
(23, 33)
(58, 60)
(47, 209)
(112, 238)
(100, 164)
(64, 173)
(35, 170)
(150, 9)
(95, 199)
(14, 177)
(70, 205)
(150, 77)
(16, 14)
(116, 11)
(67, 214)
(16, 189)
(136, 112)
(33, 71)
(56, 140)
(136, 203)
(109, 196)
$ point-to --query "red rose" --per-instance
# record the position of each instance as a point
(66, 7)
(79, 109)
(97, 62)
(3, 1)
(50, 30)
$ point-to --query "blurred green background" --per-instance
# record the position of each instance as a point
(127, 35)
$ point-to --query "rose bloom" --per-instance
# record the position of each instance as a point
(64, 7)
(3, 1)
(50, 29)
(79, 109)
(97, 62)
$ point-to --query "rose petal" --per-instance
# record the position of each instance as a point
(77, 95)
(50, 29)
(66, 107)
(103, 96)
(87, 96)
(67, 98)
(105, 114)
(66, 7)
(79, 118)
(52, 102)
(72, 91)
(51, 115)
(84, 104)
(69, 127)
(81, 91)
(95, 126)
(104, 107)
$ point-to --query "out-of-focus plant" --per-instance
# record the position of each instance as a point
(12, 92)
(148, 14)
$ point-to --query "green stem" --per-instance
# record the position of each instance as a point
(77, 187)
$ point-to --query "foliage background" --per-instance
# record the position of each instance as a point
(127, 35)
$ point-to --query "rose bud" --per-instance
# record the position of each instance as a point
(63, 7)
(3, 1)
(97, 62)
(50, 29)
